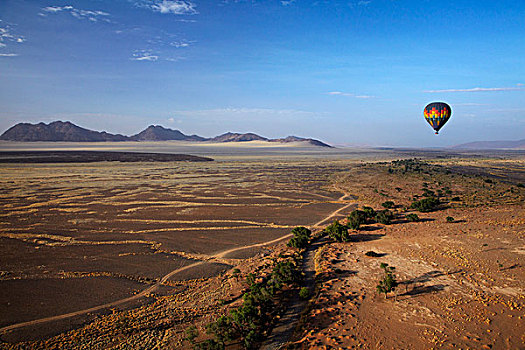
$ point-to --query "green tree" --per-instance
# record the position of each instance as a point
(338, 232)
(388, 204)
(426, 204)
(369, 213)
(412, 217)
(223, 330)
(356, 219)
(191, 334)
(301, 237)
(304, 293)
(388, 283)
(384, 217)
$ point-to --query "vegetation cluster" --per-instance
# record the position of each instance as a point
(301, 237)
(248, 324)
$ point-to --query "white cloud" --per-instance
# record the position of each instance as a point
(93, 16)
(8, 36)
(144, 55)
(348, 94)
(287, 2)
(8, 54)
(518, 87)
(152, 58)
(176, 7)
(181, 43)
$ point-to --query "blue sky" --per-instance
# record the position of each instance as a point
(346, 72)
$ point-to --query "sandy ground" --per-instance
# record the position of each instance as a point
(461, 284)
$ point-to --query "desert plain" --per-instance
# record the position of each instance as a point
(114, 255)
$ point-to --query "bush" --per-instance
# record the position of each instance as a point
(456, 199)
(520, 185)
(425, 205)
(222, 330)
(384, 217)
(388, 283)
(304, 293)
(301, 231)
(450, 219)
(370, 213)
(338, 232)
(428, 193)
(191, 333)
(412, 218)
(356, 219)
(301, 237)
(388, 204)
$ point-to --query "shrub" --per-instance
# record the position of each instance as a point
(370, 213)
(191, 333)
(384, 217)
(301, 231)
(301, 237)
(298, 242)
(428, 193)
(304, 293)
(412, 218)
(356, 219)
(520, 185)
(456, 199)
(426, 204)
(338, 232)
(450, 219)
(222, 330)
(388, 283)
(388, 204)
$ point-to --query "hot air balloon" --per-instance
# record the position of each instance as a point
(437, 114)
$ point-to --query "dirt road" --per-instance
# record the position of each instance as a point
(154, 287)
(284, 329)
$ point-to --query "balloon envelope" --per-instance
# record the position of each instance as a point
(437, 114)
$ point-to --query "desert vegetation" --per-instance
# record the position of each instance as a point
(141, 224)
(447, 278)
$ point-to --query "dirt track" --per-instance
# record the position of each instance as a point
(165, 278)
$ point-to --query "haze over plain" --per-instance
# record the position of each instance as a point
(345, 72)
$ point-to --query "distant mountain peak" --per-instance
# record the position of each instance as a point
(69, 132)
(312, 142)
(238, 137)
(57, 131)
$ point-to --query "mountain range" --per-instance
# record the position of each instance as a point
(520, 144)
(69, 132)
